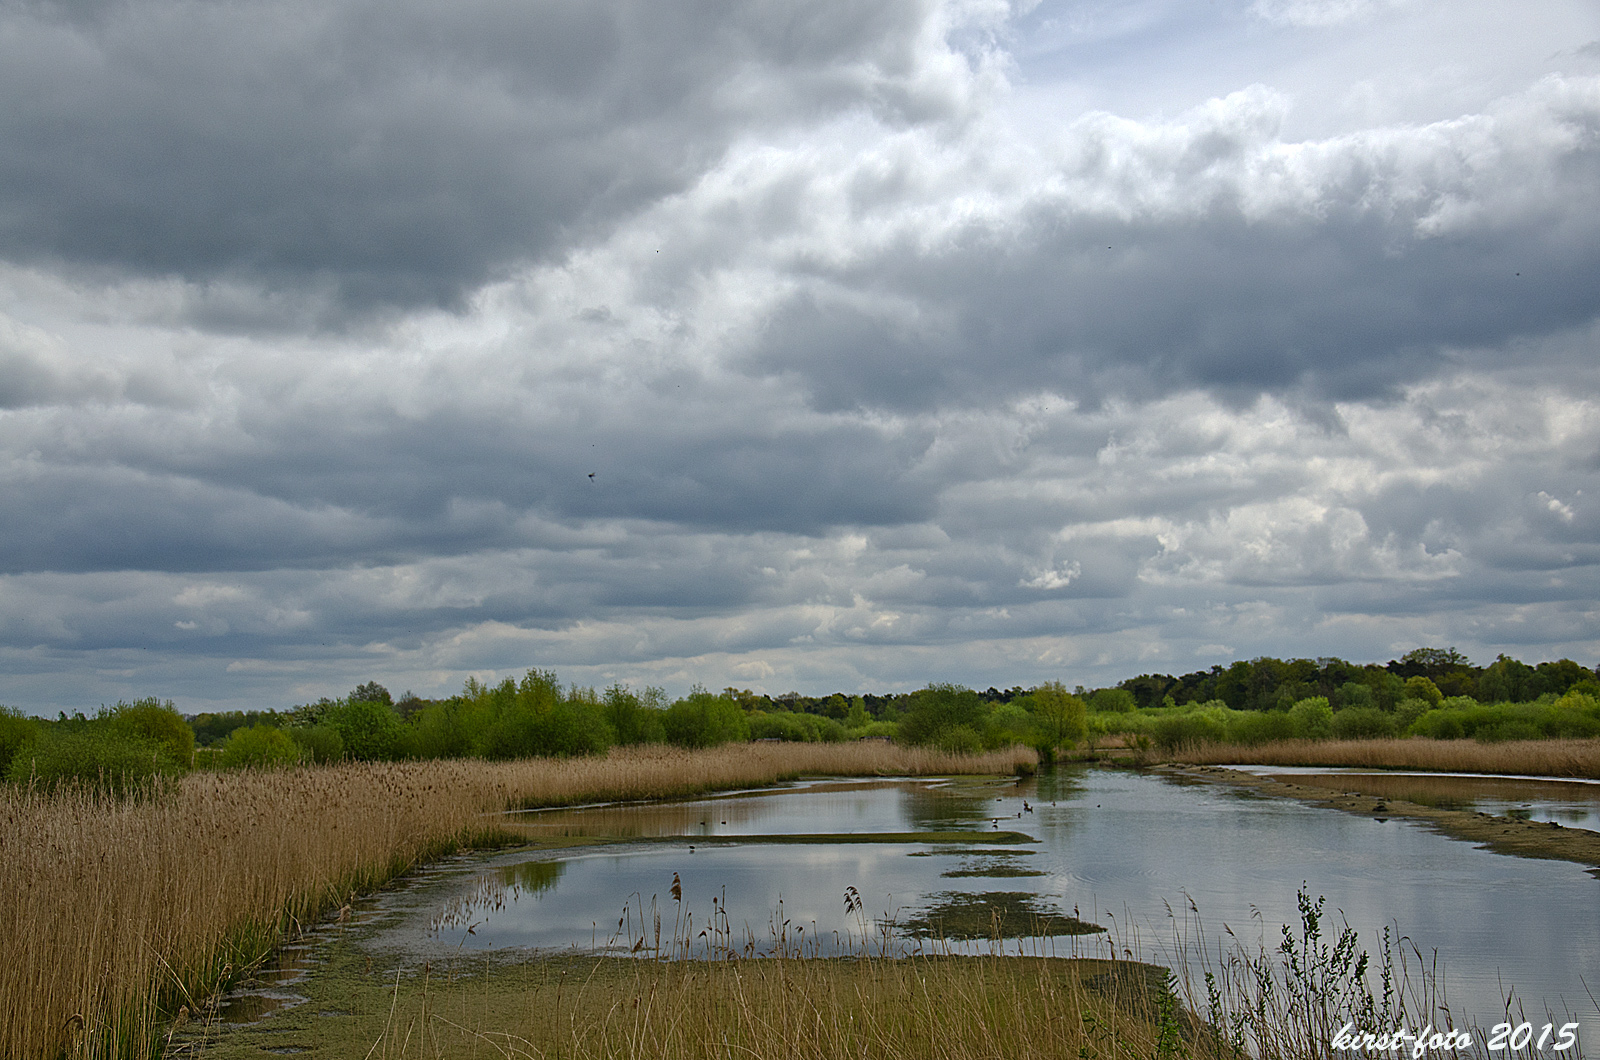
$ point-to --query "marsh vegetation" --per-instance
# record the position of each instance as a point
(120, 913)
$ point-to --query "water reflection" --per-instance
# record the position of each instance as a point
(1126, 849)
(1573, 803)
(494, 891)
(992, 915)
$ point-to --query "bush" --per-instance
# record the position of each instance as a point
(562, 729)
(1363, 723)
(945, 716)
(259, 747)
(94, 757)
(151, 719)
(369, 730)
(633, 720)
(1258, 727)
(17, 731)
(319, 743)
(1060, 719)
(1177, 731)
(796, 728)
(1499, 732)
(1437, 724)
(1355, 694)
(1112, 701)
(1313, 718)
(1407, 711)
(704, 720)
(440, 730)
(1420, 687)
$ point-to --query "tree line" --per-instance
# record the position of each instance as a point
(1429, 692)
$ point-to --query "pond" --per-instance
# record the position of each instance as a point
(981, 865)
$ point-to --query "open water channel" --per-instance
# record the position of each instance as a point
(1149, 858)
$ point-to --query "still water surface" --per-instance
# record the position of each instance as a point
(1573, 802)
(1126, 851)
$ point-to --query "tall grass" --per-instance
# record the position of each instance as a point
(117, 913)
(1550, 758)
(931, 1008)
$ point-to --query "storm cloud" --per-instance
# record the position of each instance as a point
(801, 346)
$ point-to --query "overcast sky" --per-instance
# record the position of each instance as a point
(792, 344)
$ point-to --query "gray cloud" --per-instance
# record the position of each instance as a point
(879, 379)
(397, 154)
(1207, 253)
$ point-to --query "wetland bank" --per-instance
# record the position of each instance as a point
(963, 869)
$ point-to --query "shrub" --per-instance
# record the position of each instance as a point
(1177, 731)
(319, 743)
(17, 731)
(1437, 724)
(259, 747)
(1313, 718)
(933, 714)
(94, 757)
(151, 719)
(1407, 711)
(1499, 732)
(857, 718)
(1010, 723)
(704, 720)
(1112, 701)
(634, 721)
(369, 730)
(1059, 719)
(798, 728)
(562, 729)
(1362, 723)
(1420, 687)
(1258, 727)
(439, 730)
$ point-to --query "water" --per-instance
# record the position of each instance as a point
(1124, 851)
(1571, 802)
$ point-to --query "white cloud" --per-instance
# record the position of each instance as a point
(1319, 13)
(869, 383)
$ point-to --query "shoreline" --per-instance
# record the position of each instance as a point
(1498, 834)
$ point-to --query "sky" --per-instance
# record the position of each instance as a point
(801, 345)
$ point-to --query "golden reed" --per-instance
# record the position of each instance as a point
(114, 915)
(1545, 758)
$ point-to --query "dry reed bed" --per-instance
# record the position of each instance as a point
(1549, 758)
(117, 913)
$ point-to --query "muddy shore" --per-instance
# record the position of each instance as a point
(1503, 835)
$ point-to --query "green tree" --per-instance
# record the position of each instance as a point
(160, 723)
(632, 721)
(704, 720)
(1420, 687)
(369, 729)
(1111, 700)
(1312, 718)
(1363, 723)
(946, 716)
(17, 731)
(371, 692)
(95, 757)
(260, 747)
(1059, 719)
(1507, 681)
